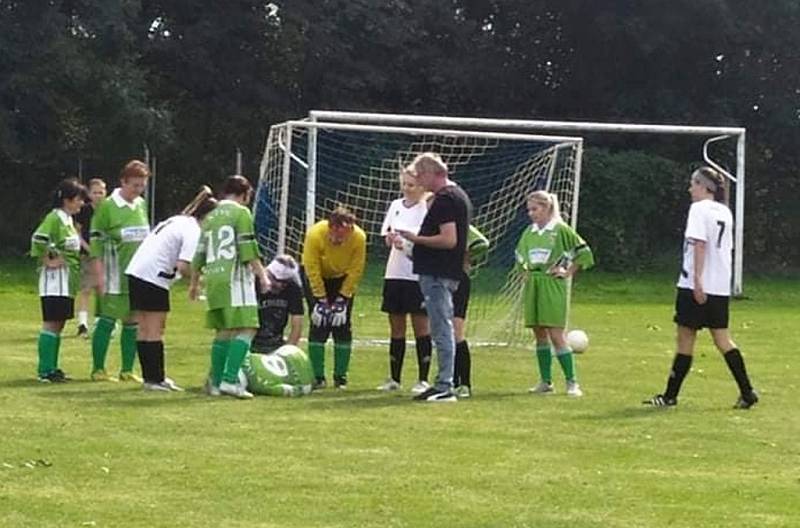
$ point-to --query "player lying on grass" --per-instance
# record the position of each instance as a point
(56, 245)
(549, 252)
(166, 252)
(704, 288)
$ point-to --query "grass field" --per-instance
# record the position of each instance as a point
(98, 454)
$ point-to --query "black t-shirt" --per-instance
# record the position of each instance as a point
(450, 204)
(273, 314)
(84, 218)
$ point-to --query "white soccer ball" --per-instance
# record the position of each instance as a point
(578, 341)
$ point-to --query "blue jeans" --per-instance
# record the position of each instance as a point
(438, 293)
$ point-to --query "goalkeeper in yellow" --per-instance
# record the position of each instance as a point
(334, 255)
(549, 252)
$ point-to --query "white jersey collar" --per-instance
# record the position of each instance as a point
(549, 226)
(63, 216)
(116, 195)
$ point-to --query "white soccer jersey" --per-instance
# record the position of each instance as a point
(401, 217)
(712, 223)
(156, 258)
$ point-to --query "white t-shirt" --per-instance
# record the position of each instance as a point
(156, 258)
(712, 223)
(401, 217)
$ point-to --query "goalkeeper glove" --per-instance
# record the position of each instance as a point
(339, 312)
(321, 313)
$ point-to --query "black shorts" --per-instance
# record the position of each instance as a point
(712, 314)
(461, 297)
(402, 297)
(56, 309)
(147, 297)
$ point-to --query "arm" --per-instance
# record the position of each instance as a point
(258, 270)
(194, 285)
(312, 255)
(184, 268)
(355, 268)
(447, 238)
(699, 266)
(296, 323)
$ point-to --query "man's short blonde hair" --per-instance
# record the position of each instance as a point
(429, 162)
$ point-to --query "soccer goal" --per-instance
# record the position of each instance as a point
(310, 166)
(711, 134)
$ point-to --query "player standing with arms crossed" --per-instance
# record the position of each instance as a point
(227, 257)
(118, 227)
(401, 293)
(549, 252)
(334, 256)
(167, 251)
(57, 245)
(704, 288)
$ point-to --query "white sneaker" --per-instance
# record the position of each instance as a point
(573, 389)
(420, 387)
(542, 388)
(171, 385)
(235, 390)
(389, 385)
(463, 391)
(154, 387)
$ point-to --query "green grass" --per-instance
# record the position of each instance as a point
(89, 454)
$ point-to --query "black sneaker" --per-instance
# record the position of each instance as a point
(83, 331)
(61, 375)
(319, 383)
(435, 395)
(659, 400)
(746, 401)
(340, 382)
(52, 377)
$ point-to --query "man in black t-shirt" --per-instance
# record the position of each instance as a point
(281, 305)
(438, 253)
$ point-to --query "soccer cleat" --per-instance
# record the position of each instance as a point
(746, 401)
(463, 391)
(235, 390)
(389, 385)
(83, 331)
(44, 378)
(171, 385)
(420, 387)
(155, 387)
(340, 382)
(319, 383)
(61, 375)
(659, 400)
(542, 387)
(434, 395)
(129, 376)
(211, 389)
(102, 375)
(574, 390)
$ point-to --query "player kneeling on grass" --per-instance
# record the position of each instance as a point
(57, 245)
(276, 366)
(118, 226)
(334, 255)
(704, 288)
(548, 253)
(227, 257)
(166, 252)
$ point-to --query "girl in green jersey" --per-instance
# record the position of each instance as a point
(549, 252)
(56, 245)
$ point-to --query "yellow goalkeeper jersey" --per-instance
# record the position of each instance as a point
(323, 260)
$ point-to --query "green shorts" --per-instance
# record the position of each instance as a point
(114, 306)
(544, 300)
(227, 318)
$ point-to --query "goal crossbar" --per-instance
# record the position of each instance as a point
(719, 133)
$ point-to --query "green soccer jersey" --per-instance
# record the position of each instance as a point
(227, 244)
(555, 244)
(57, 235)
(117, 229)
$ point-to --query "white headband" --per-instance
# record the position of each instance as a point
(282, 272)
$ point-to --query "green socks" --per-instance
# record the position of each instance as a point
(219, 356)
(48, 352)
(100, 340)
(544, 357)
(316, 353)
(567, 361)
(237, 351)
(341, 359)
(128, 345)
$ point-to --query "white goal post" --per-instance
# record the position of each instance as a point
(712, 133)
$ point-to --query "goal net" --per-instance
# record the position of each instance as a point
(308, 168)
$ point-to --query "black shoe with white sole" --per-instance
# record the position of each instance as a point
(435, 395)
